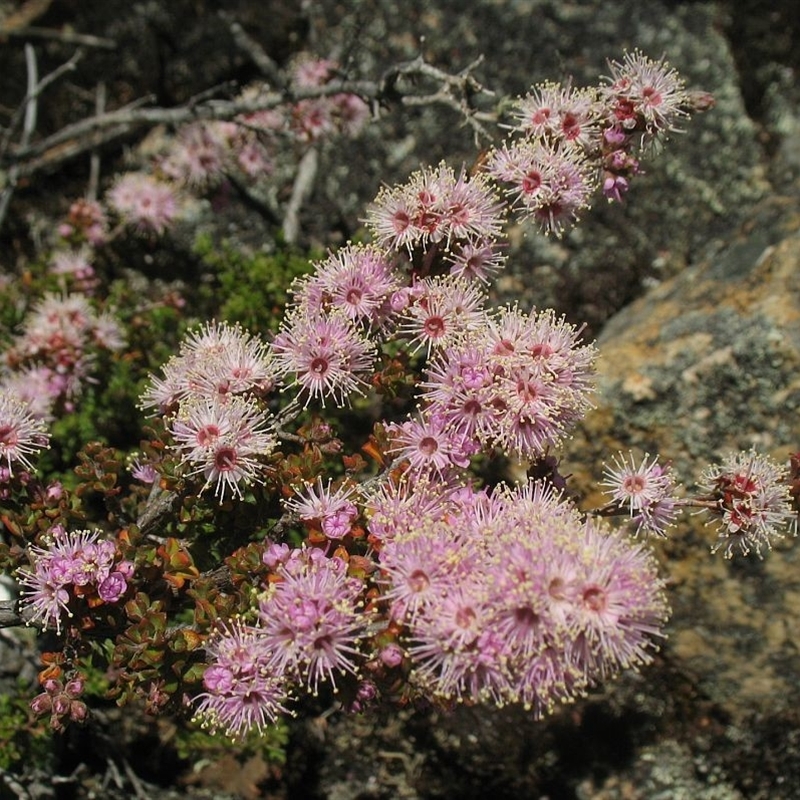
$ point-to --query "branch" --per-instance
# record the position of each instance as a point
(11, 615)
(67, 37)
(455, 91)
(303, 184)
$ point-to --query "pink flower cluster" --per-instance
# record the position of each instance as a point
(211, 395)
(510, 597)
(571, 136)
(437, 213)
(55, 353)
(309, 626)
(146, 204)
(61, 701)
(85, 223)
(517, 381)
(72, 565)
(747, 495)
(243, 691)
(21, 435)
(203, 154)
(332, 510)
(645, 490)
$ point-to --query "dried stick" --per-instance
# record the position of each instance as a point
(303, 184)
(455, 91)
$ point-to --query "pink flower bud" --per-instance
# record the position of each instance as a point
(391, 655)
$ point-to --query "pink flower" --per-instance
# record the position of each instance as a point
(427, 446)
(225, 442)
(443, 309)
(551, 185)
(647, 490)
(435, 206)
(313, 620)
(333, 510)
(324, 356)
(215, 360)
(244, 691)
(560, 114)
(112, 588)
(747, 495)
(147, 204)
(198, 156)
(74, 559)
(644, 96)
(511, 597)
(357, 280)
(21, 434)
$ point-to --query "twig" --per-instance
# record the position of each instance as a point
(31, 96)
(11, 615)
(28, 127)
(268, 68)
(139, 786)
(303, 184)
(456, 91)
(94, 159)
(67, 37)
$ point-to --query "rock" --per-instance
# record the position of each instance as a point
(705, 363)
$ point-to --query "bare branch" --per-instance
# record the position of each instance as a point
(269, 69)
(11, 615)
(303, 184)
(94, 161)
(455, 91)
(28, 127)
(66, 36)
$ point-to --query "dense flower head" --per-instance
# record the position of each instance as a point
(644, 97)
(397, 505)
(549, 184)
(559, 114)
(216, 360)
(22, 434)
(748, 499)
(75, 268)
(357, 280)
(243, 689)
(324, 355)
(225, 442)
(435, 206)
(645, 489)
(61, 701)
(313, 118)
(313, 619)
(198, 155)
(427, 445)
(72, 564)
(516, 599)
(435, 312)
(519, 382)
(145, 203)
(85, 222)
(37, 386)
(62, 335)
(333, 510)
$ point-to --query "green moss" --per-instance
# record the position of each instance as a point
(23, 739)
(249, 288)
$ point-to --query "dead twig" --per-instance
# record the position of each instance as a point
(253, 50)
(66, 37)
(395, 86)
(301, 189)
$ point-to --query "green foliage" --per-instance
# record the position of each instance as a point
(251, 289)
(195, 743)
(23, 739)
